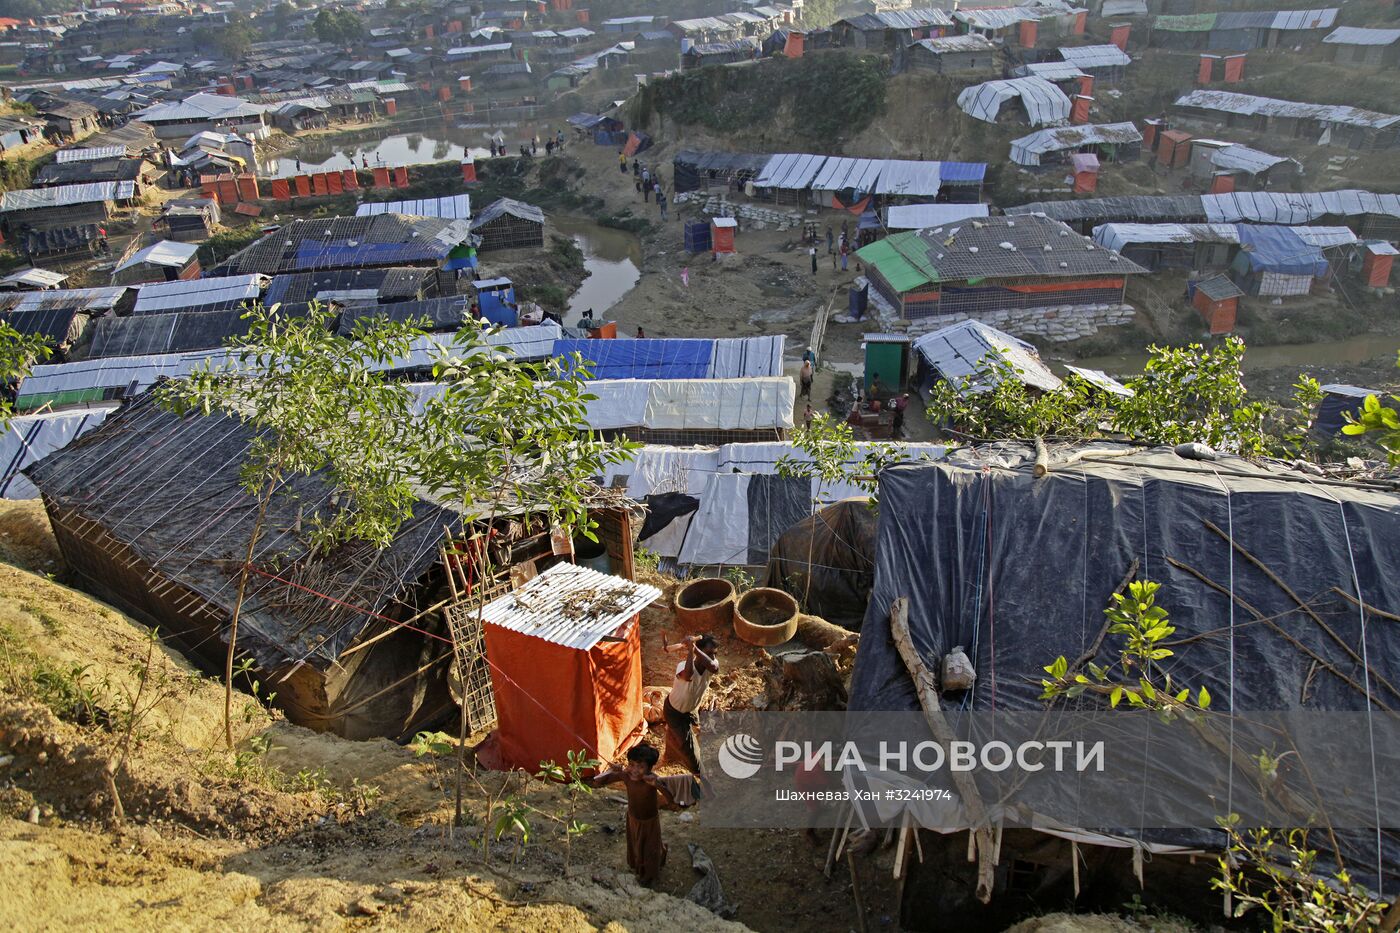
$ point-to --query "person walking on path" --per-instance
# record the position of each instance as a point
(646, 853)
(646, 184)
(829, 240)
(898, 405)
(845, 251)
(621, 162)
(807, 416)
(813, 253)
(804, 379)
(661, 201)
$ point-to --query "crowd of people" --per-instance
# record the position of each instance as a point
(647, 182)
(530, 147)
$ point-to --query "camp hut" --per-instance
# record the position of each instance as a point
(967, 357)
(442, 314)
(85, 171)
(16, 132)
(970, 54)
(566, 666)
(1054, 541)
(890, 31)
(66, 206)
(32, 279)
(1218, 300)
(190, 219)
(27, 439)
(1247, 169)
(165, 261)
(1277, 262)
(720, 53)
(1373, 48)
(1041, 102)
(144, 335)
(509, 224)
(165, 547)
(1104, 62)
(350, 243)
(69, 118)
(887, 355)
(1111, 142)
(992, 264)
(722, 230)
(1337, 125)
(1340, 403)
(705, 170)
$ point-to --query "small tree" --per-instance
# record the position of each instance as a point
(994, 402)
(18, 354)
(315, 404)
(1194, 394)
(1379, 420)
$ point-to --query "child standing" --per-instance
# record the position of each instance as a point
(646, 853)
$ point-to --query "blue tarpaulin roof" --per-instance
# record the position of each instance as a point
(1280, 249)
(953, 173)
(642, 359)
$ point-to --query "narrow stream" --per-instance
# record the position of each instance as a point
(613, 259)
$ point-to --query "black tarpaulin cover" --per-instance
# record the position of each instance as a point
(1018, 570)
(827, 561)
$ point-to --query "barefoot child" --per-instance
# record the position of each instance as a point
(646, 853)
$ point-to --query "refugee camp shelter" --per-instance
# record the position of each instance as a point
(693, 411)
(1245, 168)
(968, 356)
(1338, 125)
(1276, 262)
(694, 169)
(165, 543)
(190, 219)
(990, 264)
(1104, 62)
(349, 243)
(166, 261)
(1017, 569)
(921, 216)
(509, 224)
(33, 278)
(1351, 45)
(1041, 101)
(566, 666)
(143, 335)
(199, 112)
(1111, 142)
(1340, 403)
(451, 207)
(969, 54)
(43, 209)
(216, 294)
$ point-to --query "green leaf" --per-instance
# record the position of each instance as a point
(1115, 697)
(1203, 698)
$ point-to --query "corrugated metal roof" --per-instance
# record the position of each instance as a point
(183, 296)
(201, 107)
(64, 156)
(83, 299)
(1096, 56)
(972, 42)
(164, 253)
(1245, 159)
(1101, 380)
(1181, 207)
(1295, 208)
(37, 278)
(901, 19)
(1044, 102)
(453, 207)
(1251, 105)
(958, 352)
(571, 605)
(65, 195)
(1050, 71)
(1305, 19)
(1028, 149)
(1354, 35)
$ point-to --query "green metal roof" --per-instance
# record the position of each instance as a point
(902, 260)
(1191, 22)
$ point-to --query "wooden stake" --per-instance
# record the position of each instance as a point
(831, 849)
(1074, 860)
(926, 685)
(902, 848)
(855, 893)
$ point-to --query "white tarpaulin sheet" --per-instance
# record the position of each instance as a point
(790, 171)
(1096, 56)
(1269, 207)
(1044, 102)
(1028, 149)
(692, 404)
(922, 216)
(1119, 236)
(909, 178)
(137, 373)
(196, 293)
(30, 438)
(527, 343)
(839, 173)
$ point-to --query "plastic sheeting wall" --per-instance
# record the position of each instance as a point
(692, 404)
(30, 438)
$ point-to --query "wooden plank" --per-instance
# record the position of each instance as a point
(926, 685)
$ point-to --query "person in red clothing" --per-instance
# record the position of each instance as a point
(646, 853)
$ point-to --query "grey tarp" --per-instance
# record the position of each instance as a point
(1018, 570)
(827, 561)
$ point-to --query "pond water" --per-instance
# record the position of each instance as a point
(1294, 355)
(613, 259)
(327, 155)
